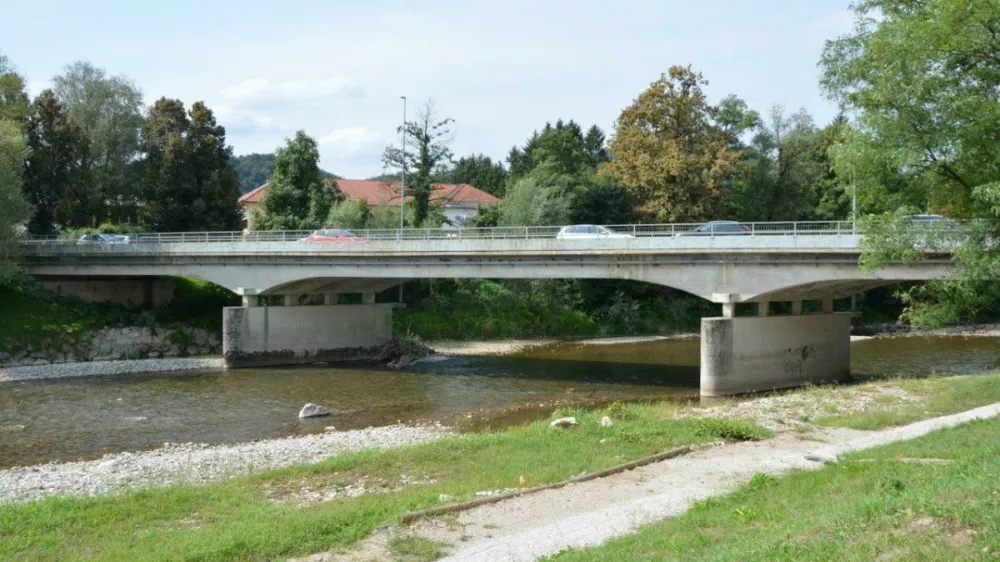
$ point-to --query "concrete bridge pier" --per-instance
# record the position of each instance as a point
(740, 355)
(254, 335)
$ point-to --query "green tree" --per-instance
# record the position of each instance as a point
(785, 170)
(13, 208)
(56, 172)
(215, 205)
(109, 110)
(669, 152)
(296, 197)
(188, 183)
(479, 171)
(922, 78)
(560, 149)
(426, 155)
(532, 202)
(14, 104)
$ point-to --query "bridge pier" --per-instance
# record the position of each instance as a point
(254, 336)
(756, 354)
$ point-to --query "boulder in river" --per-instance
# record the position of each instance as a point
(563, 423)
(311, 410)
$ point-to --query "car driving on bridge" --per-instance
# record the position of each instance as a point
(332, 235)
(88, 239)
(588, 232)
(718, 228)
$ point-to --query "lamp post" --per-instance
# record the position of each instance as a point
(402, 191)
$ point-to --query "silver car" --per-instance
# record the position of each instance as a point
(588, 232)
(88, 239)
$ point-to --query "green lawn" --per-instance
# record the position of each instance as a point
(262, 516)
(870, 507)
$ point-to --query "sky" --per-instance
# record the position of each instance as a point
(501, 70)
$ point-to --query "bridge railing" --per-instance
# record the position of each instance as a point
(797, 228)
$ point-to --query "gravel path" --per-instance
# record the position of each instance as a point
(91, 368)
(589, 513)
(194, 463)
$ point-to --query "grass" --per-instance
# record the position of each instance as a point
(936, 396)
(256, 517)
(883, 510)
(411, 548)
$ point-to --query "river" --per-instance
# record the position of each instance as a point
(68, 419)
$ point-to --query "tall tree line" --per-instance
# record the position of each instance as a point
(91, 153)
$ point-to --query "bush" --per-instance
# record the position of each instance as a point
(731, 430)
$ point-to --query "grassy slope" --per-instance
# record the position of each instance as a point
(241, 519)
(884, 510)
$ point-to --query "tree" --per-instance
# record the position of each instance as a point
(430, 137)
(215, 205)
(188, 184)
(296, 197)
(56, 172)
(922, 79)
(785, 167)
(13, 208)
(253, 170)
(13, 98)
(479, 171)
(109, 110)
(562, 149)
(668, 151)
(530, 202)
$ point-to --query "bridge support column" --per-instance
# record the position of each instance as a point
(742, 355)
(288, 335)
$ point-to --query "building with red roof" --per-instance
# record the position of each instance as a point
(458, 202)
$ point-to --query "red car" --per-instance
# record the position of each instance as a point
(332, 235)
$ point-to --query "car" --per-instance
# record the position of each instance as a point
(89, 239)
(588, 232)
(332, 235)
(719, 228)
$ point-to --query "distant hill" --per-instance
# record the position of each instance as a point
(253, 170)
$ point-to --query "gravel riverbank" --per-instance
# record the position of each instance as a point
(91, 368)
(190, 463)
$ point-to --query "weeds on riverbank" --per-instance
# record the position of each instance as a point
(258, 517)
(872, 506)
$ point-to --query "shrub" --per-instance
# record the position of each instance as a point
(731, 430)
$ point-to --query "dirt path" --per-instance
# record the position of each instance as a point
(587, 514)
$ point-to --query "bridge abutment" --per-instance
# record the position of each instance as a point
(756, 354)
(254, 336)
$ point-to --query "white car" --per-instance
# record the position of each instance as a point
(588, 232)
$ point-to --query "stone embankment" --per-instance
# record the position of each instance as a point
(191, 463)
(111, 344)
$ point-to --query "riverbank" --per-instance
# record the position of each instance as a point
(337, 502)
(96, 368)
(191, 463)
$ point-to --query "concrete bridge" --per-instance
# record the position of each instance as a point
(772, 262)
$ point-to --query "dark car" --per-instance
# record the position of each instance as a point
(719, 228)
(332, 235)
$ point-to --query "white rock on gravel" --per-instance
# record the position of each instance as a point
(196, 463)
(311, 410)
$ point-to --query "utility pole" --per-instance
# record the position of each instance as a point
(854, 224)
(402, 192)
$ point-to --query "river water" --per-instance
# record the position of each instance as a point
(68, 419)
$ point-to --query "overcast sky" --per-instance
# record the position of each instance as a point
(501, 69)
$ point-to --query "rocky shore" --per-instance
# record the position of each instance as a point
(91, 368)
(191, 463)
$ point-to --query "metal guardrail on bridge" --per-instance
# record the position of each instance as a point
(809, 228)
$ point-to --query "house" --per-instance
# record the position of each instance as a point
(458, 202)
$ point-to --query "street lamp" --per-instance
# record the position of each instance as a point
(402, 192)
(402, 186)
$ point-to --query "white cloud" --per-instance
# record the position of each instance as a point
(262, 89)
(351, 139)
